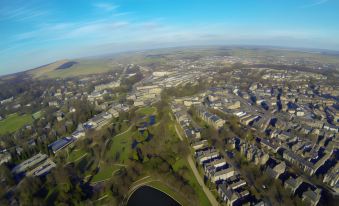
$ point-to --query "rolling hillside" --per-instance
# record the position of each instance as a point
(72, 68)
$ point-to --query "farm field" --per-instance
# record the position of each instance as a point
(82, 67)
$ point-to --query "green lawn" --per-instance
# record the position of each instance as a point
(147, 110)
(37, 115)
(105, 172)
(75, 154)
(14, 122)
(121, 146)
(181, 163)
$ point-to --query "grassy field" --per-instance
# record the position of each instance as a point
(121, 145)
(286, 53)
(181, 163)
(75, 154)
(14, 122)
(147, 111)
(83, 67)
(105, 172)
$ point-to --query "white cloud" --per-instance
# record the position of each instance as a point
(315, 3)
(25, 11)
(106, 6)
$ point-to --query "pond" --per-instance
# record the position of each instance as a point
(148, 196)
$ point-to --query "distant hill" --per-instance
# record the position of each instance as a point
(67, 65)
(67, 68)
(157, 58)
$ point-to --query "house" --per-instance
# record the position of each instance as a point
(216, 121)
(96, 95)
(60, 116)
(331, 128)
(114, 112)
(293, 184)
(277, 170)
(31, 143)
(199, 144)
(269, 144)
(284, 135)
(4, 101)
(207, 155)
(213, 98)
(312, 197)
(189, 133)
(29, 163)
(212, 119)
(332, 178)
(261, 158)
(250, 120)
(139, 103)
(72, 109)
(237, 184)
(232, 105)
(5, 157)
(230, 196)
(53, 103)
(110, 85)
(303, 164)
(223, 174)
(216, 163)
(161, 73)
(19, 150)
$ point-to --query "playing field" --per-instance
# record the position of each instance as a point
(14, 122)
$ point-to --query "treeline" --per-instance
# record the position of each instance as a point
(61, 187)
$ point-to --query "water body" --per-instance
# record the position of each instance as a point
(148, 196)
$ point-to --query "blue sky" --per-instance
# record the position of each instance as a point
(37, 32)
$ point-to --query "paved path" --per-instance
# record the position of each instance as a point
(208, 193)
(191, 163)
(178, 133)
(101, 198)
(79, 158)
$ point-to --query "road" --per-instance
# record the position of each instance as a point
(176, 129)
(208, 193)
(194, 169)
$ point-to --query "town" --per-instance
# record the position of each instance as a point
(222, 128)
